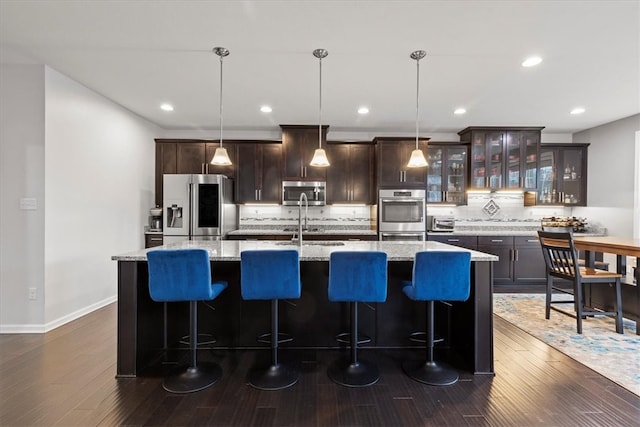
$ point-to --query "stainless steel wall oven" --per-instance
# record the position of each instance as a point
(401, 214)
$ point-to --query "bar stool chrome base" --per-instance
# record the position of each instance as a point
(192, 379)
(359, 374)
(431, 373)
(274, 377)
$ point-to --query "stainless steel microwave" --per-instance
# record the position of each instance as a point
(314, 190)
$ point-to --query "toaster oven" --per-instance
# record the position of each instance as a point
(440, 223)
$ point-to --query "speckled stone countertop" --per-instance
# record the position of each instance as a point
(290, 231)
(229, 250)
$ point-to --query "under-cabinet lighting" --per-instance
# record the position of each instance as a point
(262, 205)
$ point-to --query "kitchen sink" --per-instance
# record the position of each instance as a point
(311, 243)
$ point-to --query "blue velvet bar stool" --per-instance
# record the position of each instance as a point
(271, 275)
(356, 276)
(437, 276)
(185, 275)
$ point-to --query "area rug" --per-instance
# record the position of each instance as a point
(615, 356)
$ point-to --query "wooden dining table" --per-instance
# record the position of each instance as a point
(622, 247)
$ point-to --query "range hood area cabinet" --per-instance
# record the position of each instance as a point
(563, 175)
(260, 166)
(392, 157)
(299, 142)
(503, 157)
(351, 176)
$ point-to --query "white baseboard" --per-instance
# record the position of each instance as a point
(39, 329)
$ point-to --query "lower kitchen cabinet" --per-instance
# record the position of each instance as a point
(153, 240)
(468, 242)
(521, 264)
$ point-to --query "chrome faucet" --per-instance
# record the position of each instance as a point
(306, 216)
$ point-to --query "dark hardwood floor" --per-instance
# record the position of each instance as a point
(66, 377)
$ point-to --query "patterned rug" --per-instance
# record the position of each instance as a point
(599, 347)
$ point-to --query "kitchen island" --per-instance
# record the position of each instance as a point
(312, 320)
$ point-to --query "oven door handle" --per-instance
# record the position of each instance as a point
(402, 200)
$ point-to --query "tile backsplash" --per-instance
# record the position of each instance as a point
(337, 217)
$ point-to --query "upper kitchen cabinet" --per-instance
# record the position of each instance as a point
(503, 158)
(260, 166)
(563, 175)
(446, 174)
(189, 156)
(350, 178)
(298, 146)
(393, 155)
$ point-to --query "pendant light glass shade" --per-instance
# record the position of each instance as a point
(221, 157)
(320, 156)
(417, 159)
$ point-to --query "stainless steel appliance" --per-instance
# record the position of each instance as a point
(440, 223)
(401, 214)
(314, 190)
(198, 207)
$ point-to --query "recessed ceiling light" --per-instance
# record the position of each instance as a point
(266, 109)
(166, 107)
(577, 110)
(363, 110)
(459, 111)
(532, 61)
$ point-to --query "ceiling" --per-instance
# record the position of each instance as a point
(143, 53)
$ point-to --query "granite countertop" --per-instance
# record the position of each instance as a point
(229, 250)
(311, 231)
(501, 232)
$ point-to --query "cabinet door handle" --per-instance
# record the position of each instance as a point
(521, 182)
(486, 181)
(515, 255)
(202, 168)
(497, 240)
(260, 194)
(155, 239)
(532, 240)
(453, 240)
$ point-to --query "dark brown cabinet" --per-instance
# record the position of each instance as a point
(189, 156)
(563, 175)
(392, 156)
(350, 178)
(503, 158)
(298, 145)
(260, 166)
(447, 173)
(521, 261)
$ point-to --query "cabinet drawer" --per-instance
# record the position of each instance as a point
(527, 241)
(153, 240)
(495, 240)
(469, 242)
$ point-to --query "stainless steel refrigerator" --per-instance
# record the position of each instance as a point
(198, 207)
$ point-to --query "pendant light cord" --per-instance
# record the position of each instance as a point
(320, 109)
(417, 98)
(221, 100)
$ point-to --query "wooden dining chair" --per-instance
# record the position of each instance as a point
(562, 263)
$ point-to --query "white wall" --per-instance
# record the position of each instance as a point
(611, 171)
(90, 165)
(21, 176)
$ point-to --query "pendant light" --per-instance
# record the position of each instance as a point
(319, 156)
(417, 159)
(221, 157)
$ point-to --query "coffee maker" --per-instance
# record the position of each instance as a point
(155, 219)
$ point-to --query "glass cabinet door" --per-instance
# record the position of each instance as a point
(495, 162)
(478, 160)
(455, 174)
(514, 160)
(547, 186)
(572, 192)
(531, 145)
(434, 176)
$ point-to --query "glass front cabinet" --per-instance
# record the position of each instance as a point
(447, 172)
(563, 175)
(503, 158)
